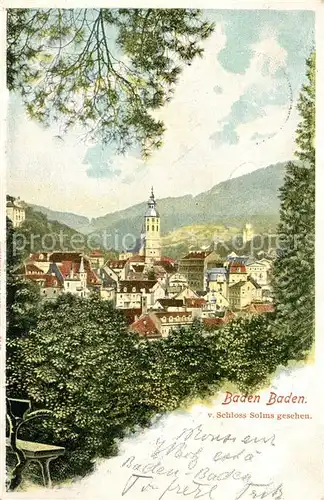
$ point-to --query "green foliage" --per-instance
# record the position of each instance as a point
(37, 234)
(101, 381)
(79, 362)
(176, 369)
(105, 69)
(294, 272)
(248, 351)
(22, 306)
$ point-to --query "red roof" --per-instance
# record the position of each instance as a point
(34, 277)
(70, 256)
(260, 308)
(31, 268)
(167, 259)
(131, 315)
(96, 253)
(236, 267)
(51, 281)
(145, 327)
(229, 316)
(213, 322)
(92, 278)
(167, 267)
(195, 302)
(137, 258)
(196, 255)
(139, 285)
(116, 264)
(66, 266)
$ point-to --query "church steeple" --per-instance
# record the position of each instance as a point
(152, 211)
(152, 231)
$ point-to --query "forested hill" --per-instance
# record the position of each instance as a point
(37, 233)
(252, 197)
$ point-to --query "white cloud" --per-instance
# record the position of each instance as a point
(50, 172)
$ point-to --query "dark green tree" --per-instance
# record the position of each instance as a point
(248, 350)
(104, 69)
(294, 276)
(22, 306)
(176, 369)
(80, 362)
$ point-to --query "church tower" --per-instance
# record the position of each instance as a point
(248, 233)
(152, 232)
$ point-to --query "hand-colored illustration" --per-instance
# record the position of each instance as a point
(160, 223)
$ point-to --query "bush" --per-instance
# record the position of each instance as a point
(101, 381)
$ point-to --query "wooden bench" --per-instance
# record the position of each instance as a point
(18, 413)
(41, 453)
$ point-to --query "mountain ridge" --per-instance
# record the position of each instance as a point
(251, 196)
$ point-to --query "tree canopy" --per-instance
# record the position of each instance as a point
(101, 381)
(106, 70)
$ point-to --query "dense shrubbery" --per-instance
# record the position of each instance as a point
(101, 381)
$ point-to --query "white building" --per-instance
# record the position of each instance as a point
(259, 272)
(137, 294)
(15, 211)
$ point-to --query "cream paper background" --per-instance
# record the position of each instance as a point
(296, 457)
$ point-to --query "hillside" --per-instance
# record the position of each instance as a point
(252, 197)
(77, 222)
(223, 238)
(37, 233)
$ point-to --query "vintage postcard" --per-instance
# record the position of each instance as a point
(158, 253)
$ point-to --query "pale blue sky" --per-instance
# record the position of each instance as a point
(233, 111)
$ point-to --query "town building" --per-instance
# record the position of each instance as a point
(61, 272)
(195, 306)
(125, 255)
(136, 294)
(167, 321)
(216, 301)
(168, 304)
(216, 280)
(243, 293)
(186, 293)
(258, 271)
(96, 258)
(15, 211)
(236, 272)
(108, 276)
(195, 264)
(119, 268)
